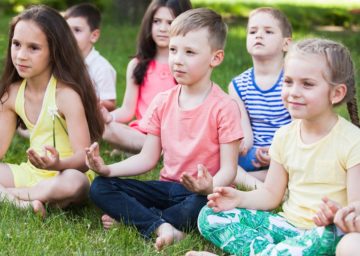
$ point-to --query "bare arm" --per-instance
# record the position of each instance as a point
(7, 120)
(71, 107)
(135, 165)
(264, 198)
(126, 112)
(110, 105)
(247, 142)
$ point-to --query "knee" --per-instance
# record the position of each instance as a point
(78, 184)
(203, 222)
(349, 245)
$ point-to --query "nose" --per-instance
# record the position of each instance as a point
(175, 58)
(164, 26)
(259, 34)
(21, 53)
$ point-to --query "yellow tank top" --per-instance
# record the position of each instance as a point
(50, 128)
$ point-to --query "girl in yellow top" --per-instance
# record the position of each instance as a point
(317, 154)
(45, 86)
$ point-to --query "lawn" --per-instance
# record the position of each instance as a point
(78, 231)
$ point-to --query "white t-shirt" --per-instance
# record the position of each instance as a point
(102, 75)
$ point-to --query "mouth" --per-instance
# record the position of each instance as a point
(22, 67)
(258, 44)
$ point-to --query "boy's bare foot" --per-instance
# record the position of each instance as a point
(167, 235)
(39, 208)
(107, 221)
(203, 253)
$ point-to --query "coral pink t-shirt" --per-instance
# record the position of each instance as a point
(158, 78)
(192, 137)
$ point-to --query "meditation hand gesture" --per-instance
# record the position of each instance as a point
(262, 157)
(347, 219)
(223, 198)
(45, 161)
(94, 160)
(202, 185)
(328, 209)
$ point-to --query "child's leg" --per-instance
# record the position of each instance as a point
(180, 216)
(134, 202)
(244, 178)
(349, 245)
(70, 186)
(316, 241)
(124, 137)
(242, 231)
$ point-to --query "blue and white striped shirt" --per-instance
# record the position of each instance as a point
(265, 108)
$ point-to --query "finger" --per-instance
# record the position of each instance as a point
(52, 150)
(201, 171)
(350, 221)
(357, 224)
(256, 164)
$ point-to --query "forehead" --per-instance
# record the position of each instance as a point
(77, 22)
(30, 31)
(195, 38)
(263, 19)
(306, 65)
(164, 13)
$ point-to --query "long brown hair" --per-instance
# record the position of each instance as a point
(67, 63)
(146, 47)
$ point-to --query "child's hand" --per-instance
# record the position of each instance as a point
(48, 162)
(106, 115)
(262, 157)
(203, 184)
(94, 160)
(223, 198)
(327, 212)
(347, 219)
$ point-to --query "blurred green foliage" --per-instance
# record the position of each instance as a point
(14, 6)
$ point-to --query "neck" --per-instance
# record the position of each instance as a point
(38, 83)
(162, 54)
(268, 66)
(313, 130)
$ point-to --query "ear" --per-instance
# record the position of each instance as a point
(338, 93)
(94, 36)
(217, 58)
(286, 43)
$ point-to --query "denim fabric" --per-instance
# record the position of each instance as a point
(147, 204)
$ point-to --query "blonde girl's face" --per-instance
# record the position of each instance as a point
(305, 93)
(161, 26)
(30, 51)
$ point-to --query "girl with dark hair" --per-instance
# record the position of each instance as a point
(147, 74)
(45, 87)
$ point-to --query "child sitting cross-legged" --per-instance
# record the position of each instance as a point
(196, 126)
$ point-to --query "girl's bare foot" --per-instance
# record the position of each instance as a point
(203, 253)
(167, 235)
(38, 208)
(107, 221)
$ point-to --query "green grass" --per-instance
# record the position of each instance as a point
(78, 231)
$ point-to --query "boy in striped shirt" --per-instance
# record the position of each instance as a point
(258, 92)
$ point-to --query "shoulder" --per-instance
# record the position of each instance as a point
(65, 94)
(245, 76)
(287, 129)
(347, 131)
(9, 98)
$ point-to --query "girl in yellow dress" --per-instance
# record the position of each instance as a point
(45, 86)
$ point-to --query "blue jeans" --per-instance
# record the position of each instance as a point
(147, 204)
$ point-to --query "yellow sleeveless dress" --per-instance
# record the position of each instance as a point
(50, 129)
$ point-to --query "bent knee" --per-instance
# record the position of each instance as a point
(349, 245)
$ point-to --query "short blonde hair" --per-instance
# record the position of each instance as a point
(197, 19)
(285, 25)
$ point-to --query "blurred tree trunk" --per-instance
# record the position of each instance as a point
(130, 11)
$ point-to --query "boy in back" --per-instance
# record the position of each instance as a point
(196, 126)
(84, 20)
(258, 92)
